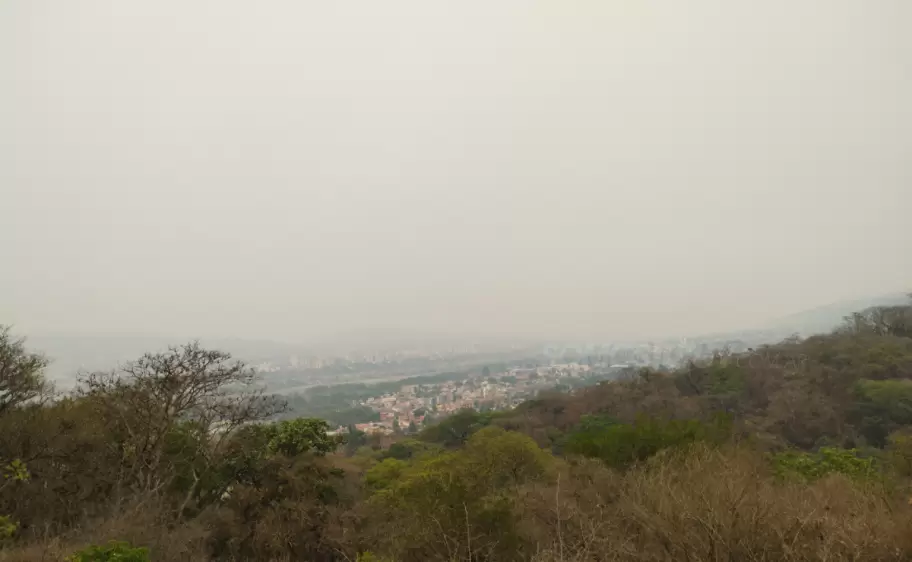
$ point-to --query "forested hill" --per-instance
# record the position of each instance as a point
(796, 451)
(825, 318)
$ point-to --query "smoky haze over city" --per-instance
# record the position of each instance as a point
(455, 280)
(303, 171)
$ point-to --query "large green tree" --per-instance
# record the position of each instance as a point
(464, 494)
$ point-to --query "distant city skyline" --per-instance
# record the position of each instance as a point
(70, 353)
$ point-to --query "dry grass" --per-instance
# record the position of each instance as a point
(142, 526)
(712, 505)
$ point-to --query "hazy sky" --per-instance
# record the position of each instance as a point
(602, 168)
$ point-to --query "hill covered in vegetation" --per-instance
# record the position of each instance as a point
(796, 451)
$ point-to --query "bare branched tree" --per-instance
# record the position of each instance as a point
(203, 392)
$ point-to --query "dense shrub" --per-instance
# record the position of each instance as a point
(826, 461)
(465, 494)
(882, 407)
(455, 430)
(410, 448)
(620, 444)
(114, 551)
(7, 527)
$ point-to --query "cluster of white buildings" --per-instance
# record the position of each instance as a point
(409, 407)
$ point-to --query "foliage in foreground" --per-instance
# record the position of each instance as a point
(799, 451)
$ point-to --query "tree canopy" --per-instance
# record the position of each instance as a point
(796, 451)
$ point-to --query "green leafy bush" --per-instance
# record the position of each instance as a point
(620, 445)
(410, 448)
(455, 430)
(301, 435)
(384, 474)
(460, 491)
(114, 551)
(882, 407)
(8, 527)
(828, 460)
(16, 470)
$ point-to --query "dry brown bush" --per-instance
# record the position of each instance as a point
(711, 505)
(145, 525)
